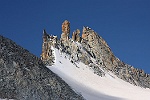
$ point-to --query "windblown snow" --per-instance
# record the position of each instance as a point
(93, 87)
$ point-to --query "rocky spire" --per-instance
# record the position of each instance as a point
(48, 41)
(76, 36)
(45, 36)
(65, 30)
(45, 46)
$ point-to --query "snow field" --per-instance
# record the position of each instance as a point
(92, 86)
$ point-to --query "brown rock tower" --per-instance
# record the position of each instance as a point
(65, 30)
(47, 53)
(45, 47)
(76, 36)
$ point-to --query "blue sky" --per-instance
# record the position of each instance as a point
(124, 24)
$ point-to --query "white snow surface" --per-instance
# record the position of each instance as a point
(93, 87)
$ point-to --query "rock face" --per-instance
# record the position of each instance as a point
(93, 51)
(65, 30)
(75, 36)
(23, 76)
(105, 58)
(47, 55)
(46, 50)
(98, 48)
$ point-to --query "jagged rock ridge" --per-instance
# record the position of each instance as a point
(23, 76)
(92, 46)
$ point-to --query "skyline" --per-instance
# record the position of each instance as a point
(124, 25)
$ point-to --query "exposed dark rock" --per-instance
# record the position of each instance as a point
(23, 76)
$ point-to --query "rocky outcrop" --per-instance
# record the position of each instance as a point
(65, 30)
(47, 55)
(46, 50)
(23, 76)
(98, 48)
(132, 75)
(105, 58)
(93, 51)
(75, 36)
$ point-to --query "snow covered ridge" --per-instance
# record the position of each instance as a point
(91, 86)
(92, 50)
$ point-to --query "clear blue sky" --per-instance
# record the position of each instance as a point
(124, 24)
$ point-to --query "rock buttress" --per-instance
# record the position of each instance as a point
(98, 48)
(47, 53)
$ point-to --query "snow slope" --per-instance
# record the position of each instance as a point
(92, 86)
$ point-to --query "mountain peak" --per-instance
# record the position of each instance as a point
(92, 50)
